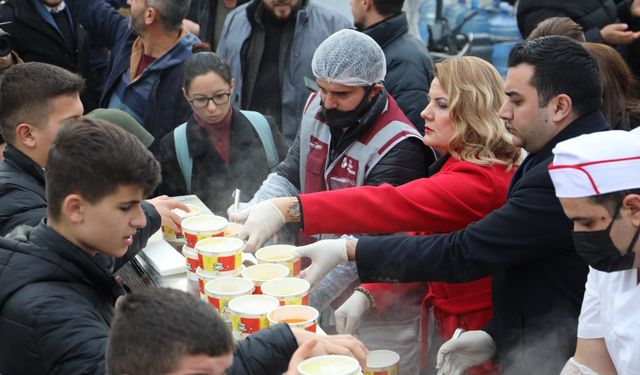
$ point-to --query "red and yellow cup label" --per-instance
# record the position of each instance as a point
(247, 326)
(227, 263)
(191, 238)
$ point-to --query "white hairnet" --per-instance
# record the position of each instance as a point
(350, 58)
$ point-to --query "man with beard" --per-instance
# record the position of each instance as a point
(147, 52)
(269, 45)
(409, 67)
(352, 131)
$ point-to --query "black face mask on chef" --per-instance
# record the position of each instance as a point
(344, 119)
(598, 250)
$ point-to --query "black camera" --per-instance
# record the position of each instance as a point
(6, 43)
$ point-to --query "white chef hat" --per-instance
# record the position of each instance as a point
(595, 164)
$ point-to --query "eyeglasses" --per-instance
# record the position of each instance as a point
(217, 99)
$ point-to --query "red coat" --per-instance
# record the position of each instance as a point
(459, 194)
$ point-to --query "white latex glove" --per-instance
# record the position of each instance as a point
(231, 211)
(349, 314)
(325, 255)
(574, 368)
(470, 349)
(261, 221)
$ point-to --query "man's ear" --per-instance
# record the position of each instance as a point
(150, 15)
(25, 135)
(73, 208)
(561, 108)
(376, 90)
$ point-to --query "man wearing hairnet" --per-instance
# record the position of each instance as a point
(352, 133)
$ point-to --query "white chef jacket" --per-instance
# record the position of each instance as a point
(611, 310)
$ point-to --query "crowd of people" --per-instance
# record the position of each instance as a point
(425, 196)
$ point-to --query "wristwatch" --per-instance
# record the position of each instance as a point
(294, 209)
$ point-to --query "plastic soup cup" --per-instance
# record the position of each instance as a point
(220, 255)
(249, 314)
(204, 277)
(191, 257)
(280, 254)
(222, 290)
(299, 316)
(329, 365)
(198, 227)
(173, 236)
(289, 290)
(382, 362)
(261, 273)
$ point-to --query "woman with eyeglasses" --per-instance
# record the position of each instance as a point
(223, 146)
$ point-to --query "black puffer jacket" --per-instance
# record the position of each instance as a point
(56, 304)
(592, 15)
(23, 201)
(407, 161)
(409, 66)
(22, 194)
(212, 180)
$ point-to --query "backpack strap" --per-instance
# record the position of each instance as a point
(182, 152)
(261, 126)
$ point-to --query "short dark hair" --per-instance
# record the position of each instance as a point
(26, 90)
(172, 12)
(614, 199)
(202, 62)
(93, 158)
(558, 26)
(561, 66)
(388, 7)
(153, 329)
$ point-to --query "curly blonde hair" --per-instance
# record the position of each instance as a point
(476, 93)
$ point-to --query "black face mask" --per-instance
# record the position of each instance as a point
(598, 250)
(344, 119)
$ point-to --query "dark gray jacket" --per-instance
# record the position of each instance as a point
(314, 23)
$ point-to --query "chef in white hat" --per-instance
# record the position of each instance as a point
(597, 179)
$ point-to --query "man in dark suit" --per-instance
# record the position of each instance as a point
(526, 245)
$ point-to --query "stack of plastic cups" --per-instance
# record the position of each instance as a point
(194, 229)
(218, 257)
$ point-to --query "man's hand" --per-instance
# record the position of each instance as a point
(261, 221)
(618, 33)
(303, 352)
(332, 344)
(470, 349)
(163, 204)
(348, 315)
(325, 255)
